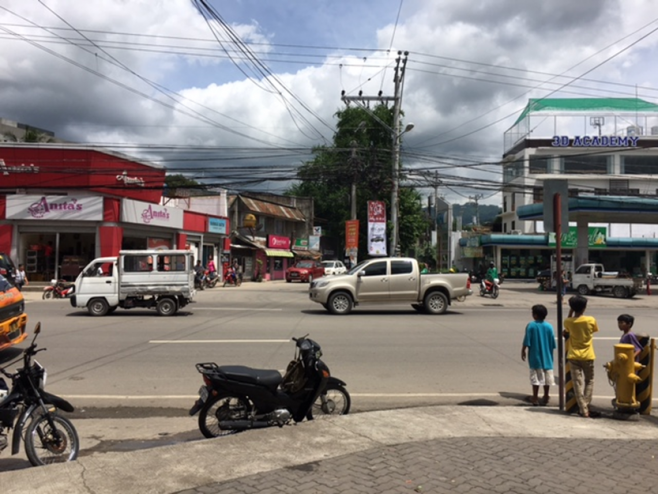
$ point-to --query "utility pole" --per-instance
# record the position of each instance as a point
(400, 65)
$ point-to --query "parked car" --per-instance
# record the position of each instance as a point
(305, 271)
(7, 268)
(334, 267)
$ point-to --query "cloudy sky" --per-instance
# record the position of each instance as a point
(256, 81)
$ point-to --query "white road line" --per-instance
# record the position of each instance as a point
(238, 308)
(171, 342)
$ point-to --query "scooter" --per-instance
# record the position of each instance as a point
(235, 398)
(489, 288)
(58, 289)
(231, 278)
(210, 279)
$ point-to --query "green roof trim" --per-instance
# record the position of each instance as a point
(629, 105)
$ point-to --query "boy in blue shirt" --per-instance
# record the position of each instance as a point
(625, 324)
(540, 341)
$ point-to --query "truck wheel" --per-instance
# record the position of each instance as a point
(166, 307)
(619, 292)
(340, 303)
(435, 303)
(583, 290)
(98, 307)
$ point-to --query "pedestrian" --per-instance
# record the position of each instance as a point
(212, 270)
(539, 340)
(580, 329)
(20, 278)
(625, 323)
(565, 284)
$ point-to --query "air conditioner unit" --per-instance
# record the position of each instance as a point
(516, 232)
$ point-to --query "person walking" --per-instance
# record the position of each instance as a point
(540, 341)
(580, 329)
(21, 277)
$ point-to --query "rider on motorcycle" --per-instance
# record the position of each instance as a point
(492, 273)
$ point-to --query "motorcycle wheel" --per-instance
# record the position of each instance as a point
(47, 295)
(45, 445)
(224, 406)
(494, 292)
(334, 401)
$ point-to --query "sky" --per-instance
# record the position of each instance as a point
(238, 92)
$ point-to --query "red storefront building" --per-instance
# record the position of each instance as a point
(63, 205)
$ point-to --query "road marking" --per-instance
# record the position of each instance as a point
(238, 308)
(168, 342)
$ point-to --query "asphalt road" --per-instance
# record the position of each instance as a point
(135, 363)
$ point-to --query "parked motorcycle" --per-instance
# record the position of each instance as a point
(235, 398)
(488, 287)
(33, 413)
(58, 289)
(210, 279)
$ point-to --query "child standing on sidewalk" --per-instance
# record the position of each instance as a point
(540, 340)
(625, 323)
(580, 330)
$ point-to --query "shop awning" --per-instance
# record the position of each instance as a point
(307, 254)
(278, 253)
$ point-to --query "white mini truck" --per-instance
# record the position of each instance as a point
(156, 279)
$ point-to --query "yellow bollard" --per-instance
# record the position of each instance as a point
(621, 371)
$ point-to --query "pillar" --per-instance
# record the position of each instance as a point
(582, 246)
(110, 240)
(181, 240)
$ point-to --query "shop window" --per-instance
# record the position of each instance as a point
(513, 203)
(376, 269)
(512, 170)
(513, 225)
(401, 267)
(504, 204)
(137, 264)
(504, 227)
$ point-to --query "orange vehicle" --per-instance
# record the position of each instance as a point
(13, 318)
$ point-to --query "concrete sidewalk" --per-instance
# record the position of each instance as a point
(430, 449)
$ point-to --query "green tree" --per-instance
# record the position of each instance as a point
(361, 153)
(178, 181)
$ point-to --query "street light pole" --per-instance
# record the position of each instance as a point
(395, 190)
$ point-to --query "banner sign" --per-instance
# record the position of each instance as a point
(376, 228)
(278, 242)
(596, 238)
(301, 244)
(217, 225)
(314, 242)
(595, 141)
(144, 213)
(352, 234)
(37, 207)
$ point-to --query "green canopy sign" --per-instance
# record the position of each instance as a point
(596, 236)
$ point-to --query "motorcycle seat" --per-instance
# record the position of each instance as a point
(241, 373)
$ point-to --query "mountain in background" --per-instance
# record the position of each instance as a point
(468, 212)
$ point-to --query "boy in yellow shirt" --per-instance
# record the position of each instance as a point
(580, 330)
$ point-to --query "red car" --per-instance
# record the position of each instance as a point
(304, 271)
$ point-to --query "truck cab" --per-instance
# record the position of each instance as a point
(13, 319)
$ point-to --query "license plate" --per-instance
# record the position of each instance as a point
(14, 331)
(203, 393)
(294, 275)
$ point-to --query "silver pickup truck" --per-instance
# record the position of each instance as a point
(387, 280)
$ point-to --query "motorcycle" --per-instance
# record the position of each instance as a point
(58, 289)
(210, 279)
(33, 413)
(488, 287)
(231, 278)
(235, 398)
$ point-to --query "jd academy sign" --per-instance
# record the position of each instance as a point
(594, 141)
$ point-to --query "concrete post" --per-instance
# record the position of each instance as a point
(582, 246)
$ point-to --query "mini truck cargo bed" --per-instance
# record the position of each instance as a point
(389, 280)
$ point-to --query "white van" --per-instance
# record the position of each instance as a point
(160, 279)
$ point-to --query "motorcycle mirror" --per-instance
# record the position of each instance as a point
(37, 328)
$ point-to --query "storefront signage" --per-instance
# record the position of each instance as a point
(217, 225)
(138, 181)
(376, 228)
(278, 242)
(596, 236)
(36, 207)
(352, 234)
(6, 170)
(472, 251)
(144, 213)
(314, 242)
(301, 244)
(595, 141)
